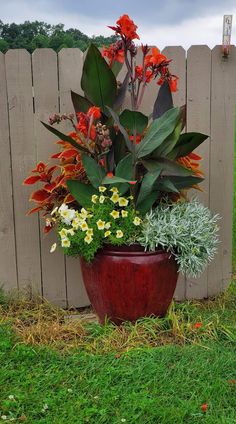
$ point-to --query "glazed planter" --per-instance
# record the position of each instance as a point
(126, 283)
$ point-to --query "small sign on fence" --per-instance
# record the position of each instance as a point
(227, 29)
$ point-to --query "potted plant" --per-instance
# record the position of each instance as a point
(117, 195)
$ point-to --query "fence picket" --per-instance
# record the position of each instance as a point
(21, 118)
(70, 63)
(178, 68)
(198, 119)
(223, 89)
(8, 277)
(45, 80)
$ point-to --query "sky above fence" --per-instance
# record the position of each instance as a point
(172, 22)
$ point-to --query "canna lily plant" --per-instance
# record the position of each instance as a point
(143, 158)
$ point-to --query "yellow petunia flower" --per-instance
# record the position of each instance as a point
(84, 226)
(124, 214)
(115, 197)
(71, 232)
(88, 239)
(107, 233)
(102, 189)
(65, 242)
(63, 233)
(114, 190)
(107, 225)
(94, 198)
(119, 234)
(100, 224)
(101, 199)
(76, 223)
(123, 201)
(89, 232)
(137, 221)
(115, 214)
(83, 213)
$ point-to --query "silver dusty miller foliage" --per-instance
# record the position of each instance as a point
(186, 229)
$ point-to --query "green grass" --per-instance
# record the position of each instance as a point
(156, 372)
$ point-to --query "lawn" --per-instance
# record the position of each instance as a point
(58, 370)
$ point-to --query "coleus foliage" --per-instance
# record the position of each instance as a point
(149, 156)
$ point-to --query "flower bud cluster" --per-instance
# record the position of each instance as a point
(103, 136)
(56, 118)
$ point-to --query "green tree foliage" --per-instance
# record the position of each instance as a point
(33, 35)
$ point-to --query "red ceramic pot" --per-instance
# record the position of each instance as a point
(125, 283)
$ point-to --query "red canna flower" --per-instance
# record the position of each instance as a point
(155, 58)
(204, 407)
(173, 83)
(126, 28)
(110, 174)
(94, 112)
(114, 53)
(138, 138)
(198, 325)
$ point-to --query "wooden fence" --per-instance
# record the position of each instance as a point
(32, 88)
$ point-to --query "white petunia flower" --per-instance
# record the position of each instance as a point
(62, 208)
(53, 248)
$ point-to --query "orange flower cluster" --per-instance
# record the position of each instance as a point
(114, 53)
(126, 28)
(85, 122)
(191, 161)
(141, 76)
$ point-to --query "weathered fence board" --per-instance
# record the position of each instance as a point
(32, 88)
(23, 155)
(69, 79)
(8, 276)
(45, 82)
(198, 119)
(223, 94)
(178, 67)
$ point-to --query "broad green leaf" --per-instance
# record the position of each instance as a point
(80, 103)
(64, 137)
(158, 131)
(164, 101)
(119, 145)
(121, 93)
(113, 180)
(116, 67)
(170, 142)
(147, 203)
(98, 80)
(133, 121)
(123, 131)
(185, 182)
(165, 185)
(124, 170)
(95, 172)
(168, 167)
(124, 167)
(187, 143)
(147, 185)
(81, 192)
